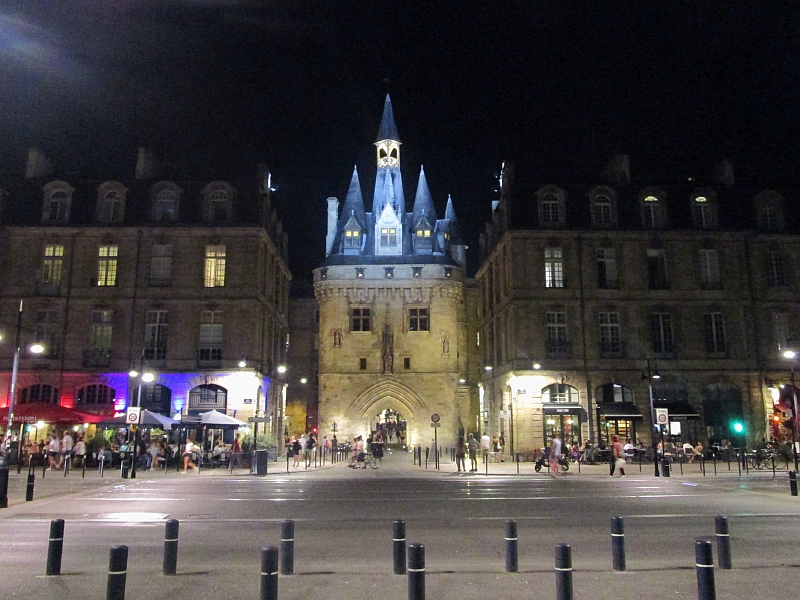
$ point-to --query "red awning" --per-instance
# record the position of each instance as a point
(49, 413)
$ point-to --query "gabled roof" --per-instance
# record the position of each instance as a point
(388, 129)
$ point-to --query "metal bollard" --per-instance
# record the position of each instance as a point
(117, 573)
(399, 546)
(723, 542)
(287, 548)
(124, 469)
(618, 543)
(269, 573)
(563, 572)
(512, 557)
(3, 487)
(102, 464)
(416, 572)
(704, 563)
(29, 488)
(793, 482)
(54, 547)
(665, 468)
(170, 565)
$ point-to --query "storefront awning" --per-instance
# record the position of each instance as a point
(564, 410)
(682, 410)
(619, 411)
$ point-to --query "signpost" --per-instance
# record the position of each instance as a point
(662, 420)
(133, 415)
(435, 424)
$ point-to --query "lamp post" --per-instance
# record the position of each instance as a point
(36, 349)
(650, 376)
(144, 377)
(790, 354)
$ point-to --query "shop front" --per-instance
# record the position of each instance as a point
(620, 418)
(684, 423)
(564, 421)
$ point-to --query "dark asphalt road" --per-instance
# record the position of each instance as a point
(343, 530)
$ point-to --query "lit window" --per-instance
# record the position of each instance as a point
(388, 236)
(389, 272)
(651, 213)
(107, 266)
(553, 268)
(359, 272)
(352, 238)
(215, 267)
(52, 265)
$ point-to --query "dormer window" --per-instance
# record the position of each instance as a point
(352, 237)
(388, 236)
(57, 209)
(111, 208)
(704, 212)
(165, 207)
(651, 212)
(219, 206)
(57, 200)
(769, 207)
(423, 242)
(550, 213)
(603, 207)
(551, 206)
(218, 202)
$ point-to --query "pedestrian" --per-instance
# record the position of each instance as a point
(297, 448)
(53, 447)
(486, 446)
(472, 445)
(460, 451)
(325, 445)
(501, 444)
(555, 454)
(80, 451)
(188, 450)
(236, 452)
(65, 454)
(310, 443)
(618, 457)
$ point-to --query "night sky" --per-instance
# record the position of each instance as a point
(213, 87)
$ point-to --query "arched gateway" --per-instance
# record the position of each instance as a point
(394, 396)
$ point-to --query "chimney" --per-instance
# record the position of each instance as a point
(146, 164)
(37, 165)
(333, 218)
(618, 169)
(723, 172)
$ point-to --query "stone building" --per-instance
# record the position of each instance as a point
(187, 279)
(588, 292)
(392, 291)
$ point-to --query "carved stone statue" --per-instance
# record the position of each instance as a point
(337, 337)
(445, 345)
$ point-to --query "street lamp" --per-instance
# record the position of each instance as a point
(650, 376)
(36, 349)
(144, 377)
(791, 354)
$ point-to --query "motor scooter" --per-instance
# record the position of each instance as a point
(563, 462)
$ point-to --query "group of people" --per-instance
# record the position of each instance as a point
(60, 451)
(304, 447)
(470, 448)
(358, 449)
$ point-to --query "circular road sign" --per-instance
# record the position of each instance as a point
(435, 418)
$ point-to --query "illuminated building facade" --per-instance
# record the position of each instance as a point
(580, 285)
(185, 279)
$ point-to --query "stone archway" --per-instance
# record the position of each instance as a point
(390, 394)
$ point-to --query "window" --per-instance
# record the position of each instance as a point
(95, 394)
(606, 269)
(352, 238)
(610, 343)
(57, 207)
(388, 272)
(656, 270)
(107, 266)
(360, 319)
(388, 236)
(111, 207)
(215, 267)
(550, 212)
(155, 335)
(52, 265)
(160, 265)
(704, 213)
(661, 333)
(218, 207)
(553, 268)
(46, 332)
(406, 363)
(780, 330)
(362, 364)
(166, 207)
(39, 393)
(709, 269)
(418, 319)
(601, 210)
(448, 272)
(207, 397)
(560, 393)
(776, 275)
(417, 272)
(651, 213)
(359, 272)
(715, 333)
(557, 344)
(100, 330)
(768, 218)
(210, 348)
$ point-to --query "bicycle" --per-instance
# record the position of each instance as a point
(368, 460)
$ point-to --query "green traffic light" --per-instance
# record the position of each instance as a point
(737, 427)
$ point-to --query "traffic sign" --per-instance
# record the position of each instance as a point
(257, 419)
(662, 416)
(505, 414)
(436, 424)
(435, 418)
(132, 415)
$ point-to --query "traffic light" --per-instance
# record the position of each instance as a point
(314, 430)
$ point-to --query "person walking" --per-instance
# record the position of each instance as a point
(188, 450)
(297, 448)
(80, 451)
(65, 455)
(236, 452)
(486, 446)
(52, 452)
(555, 454)
(310, 443)
(460, 452)
(472, 445)
(618, 457)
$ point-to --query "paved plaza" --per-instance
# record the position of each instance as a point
(343, 525)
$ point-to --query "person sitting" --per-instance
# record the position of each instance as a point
(628, 449)
(696, 451)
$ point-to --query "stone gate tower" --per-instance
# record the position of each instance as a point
(392, 317)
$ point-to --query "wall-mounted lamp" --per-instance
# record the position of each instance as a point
(281, 369)
(488, 368)
(304, 381)
(537, 366)
(462, 380)
(243, 363)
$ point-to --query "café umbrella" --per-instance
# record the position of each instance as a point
(31, 412)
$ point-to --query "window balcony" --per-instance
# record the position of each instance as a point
(96, 357)
(559, 349)
(209, 358)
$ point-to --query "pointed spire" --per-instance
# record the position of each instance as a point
(423, 203)
(354, 202)
(387, 130)
(452, 222)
